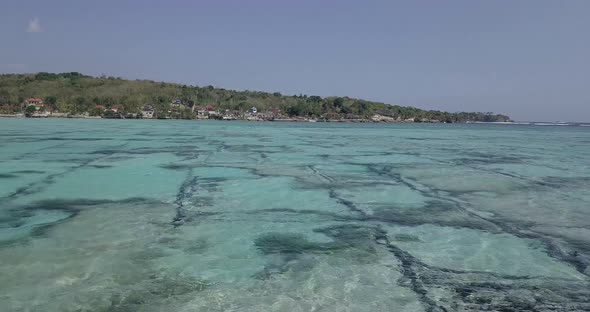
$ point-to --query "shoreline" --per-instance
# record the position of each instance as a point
(303, 120)
(236, 119)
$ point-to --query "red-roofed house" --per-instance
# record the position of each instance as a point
(33, 101)
(101, 107)
(201, 113)
(36, 102)
(115, 108)
(211, 112)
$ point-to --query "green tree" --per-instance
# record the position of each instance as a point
(51, 102)
(30, 110)
(109, 114)
(96, 112)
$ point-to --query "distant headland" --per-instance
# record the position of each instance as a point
(76, 95)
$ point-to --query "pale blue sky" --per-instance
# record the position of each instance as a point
(525, 58)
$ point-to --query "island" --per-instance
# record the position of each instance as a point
(76, 95)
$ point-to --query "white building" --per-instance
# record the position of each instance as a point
(149, 114)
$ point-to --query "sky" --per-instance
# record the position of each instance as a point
(529, 59)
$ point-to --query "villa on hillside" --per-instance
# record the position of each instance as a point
(37, 102)
(211, 110)
(176, 103)
(201, 113)
(40, 109)
(108, 111)
(205, 112)
(147, 112)
(33, 101)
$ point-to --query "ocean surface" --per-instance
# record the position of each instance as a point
(147, 215)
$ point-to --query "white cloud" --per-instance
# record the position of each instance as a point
(34, 26)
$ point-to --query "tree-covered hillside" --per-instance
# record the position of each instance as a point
(78, 93)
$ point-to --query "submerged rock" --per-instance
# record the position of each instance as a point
(407, 238)
(291, 243)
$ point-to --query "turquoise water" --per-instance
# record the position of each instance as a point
(122, 215)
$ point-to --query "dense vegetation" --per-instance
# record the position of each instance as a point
(78, 93)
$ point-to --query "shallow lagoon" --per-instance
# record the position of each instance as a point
(124, 215)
